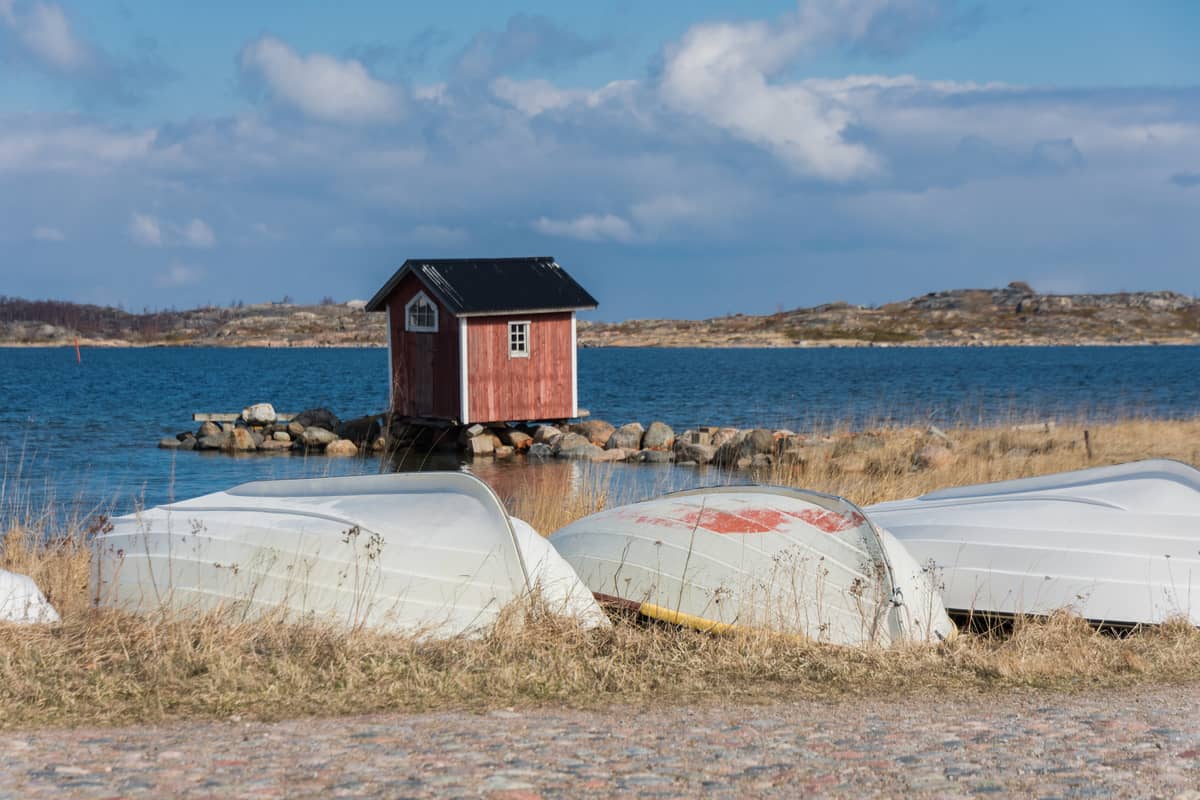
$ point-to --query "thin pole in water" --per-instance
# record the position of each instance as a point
(78, 357)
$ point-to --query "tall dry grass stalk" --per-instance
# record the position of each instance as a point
(107, 667)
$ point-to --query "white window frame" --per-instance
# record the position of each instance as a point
(408, 307)
(512, 325)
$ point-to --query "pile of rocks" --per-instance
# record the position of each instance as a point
(259, 429)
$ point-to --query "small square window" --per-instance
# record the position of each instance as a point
(518, 340)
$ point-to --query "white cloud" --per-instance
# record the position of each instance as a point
(145, 230)
(721, 72)
(533, 97)
(68, 147)
(46, 233)
(178, 274)
(197, 233)
(321, 86)
(588, 227)
(45, 32)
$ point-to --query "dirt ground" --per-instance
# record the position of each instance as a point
(1142, 742)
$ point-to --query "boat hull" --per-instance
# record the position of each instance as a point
(1117, 545)
(757, 557)
(426, 554)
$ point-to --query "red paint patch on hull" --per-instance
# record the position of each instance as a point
(753, 520)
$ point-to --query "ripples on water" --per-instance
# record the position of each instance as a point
(83, 435)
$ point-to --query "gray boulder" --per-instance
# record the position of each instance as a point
(540, 450)
(626, 437)
(659, 436)
(169, 443)
(208, 429)
(581, 452)
(315, 437)
(570, 441)
(545, 434)
(758, 442)
(696, 453)
(295, 428)
(318, 417)
(259, 414)
(213, 442)
(360, 430)
(656, 456)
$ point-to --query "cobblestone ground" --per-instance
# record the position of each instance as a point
(1135, 743)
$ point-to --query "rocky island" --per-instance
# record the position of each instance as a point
(1013, 315)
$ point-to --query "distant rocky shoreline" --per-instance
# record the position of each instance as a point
(1013, 315)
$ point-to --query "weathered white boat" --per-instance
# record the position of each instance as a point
(22, 602)
(752, 556)
(1114, 544)
(431, 554)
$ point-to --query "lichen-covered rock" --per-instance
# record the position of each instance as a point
(340, 448)
(659, 436)
(209, 429)
(240, 440)
(596, 431)
(518, 440)
(275, 446)
(626, 437)
(281, 436)
(504, 451)
(610, 454)
(295, 428)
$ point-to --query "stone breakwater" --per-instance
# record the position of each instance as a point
(258, 429)
(319, 431)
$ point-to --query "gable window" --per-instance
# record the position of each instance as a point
(518, 340)
(421, 314)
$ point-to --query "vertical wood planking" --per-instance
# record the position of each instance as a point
(504, 389)
(424, 365)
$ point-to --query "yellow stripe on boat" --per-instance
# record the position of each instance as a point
(680, 618)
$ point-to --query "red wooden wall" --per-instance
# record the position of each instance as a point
(504, 389)
(424, 365)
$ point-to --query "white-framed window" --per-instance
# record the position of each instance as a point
(518, 339)
(421, 314)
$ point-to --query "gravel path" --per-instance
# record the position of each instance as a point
(1135, 743)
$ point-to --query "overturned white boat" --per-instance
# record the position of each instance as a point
(751, 556)
(1118, 544)
(429, 554)
(21, 601)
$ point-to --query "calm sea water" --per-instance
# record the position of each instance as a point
(85, 434)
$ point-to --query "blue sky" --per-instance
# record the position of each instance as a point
(682, 159)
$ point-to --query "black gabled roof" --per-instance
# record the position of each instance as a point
(469, 286)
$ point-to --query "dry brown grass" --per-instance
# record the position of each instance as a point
(105, 667)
